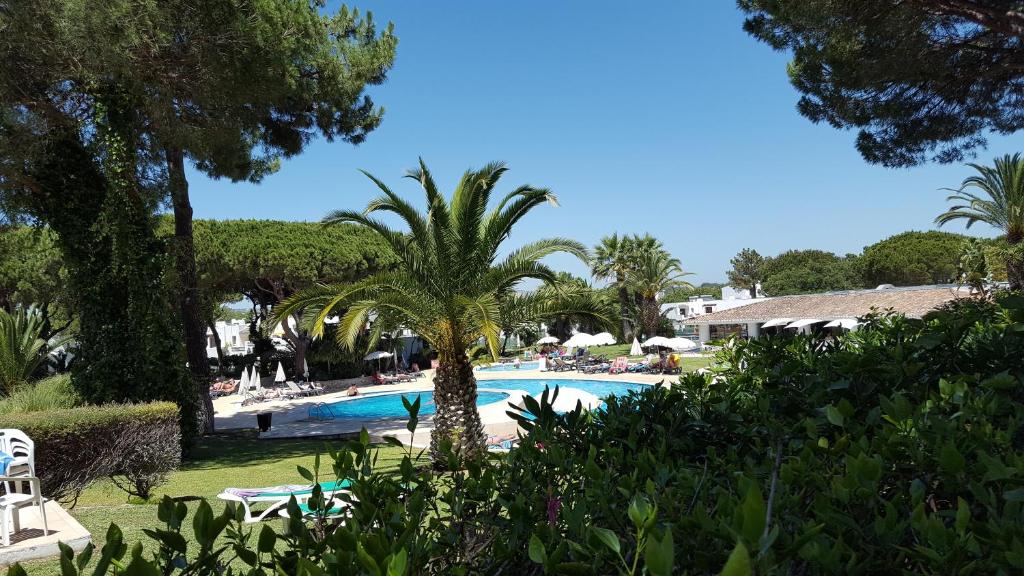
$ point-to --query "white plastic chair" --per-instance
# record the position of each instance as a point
(20, 472)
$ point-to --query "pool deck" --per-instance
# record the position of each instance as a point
(291, 419)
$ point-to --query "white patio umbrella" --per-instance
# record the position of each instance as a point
(378, 355)
(679, 343)
(803, 322)
(603, 339)
(848, 323)
(656, 341)
(305, 369)
(579, 339)
(279, 377)
(548, 340)
(635, 349)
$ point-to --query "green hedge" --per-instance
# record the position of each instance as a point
(136, 444)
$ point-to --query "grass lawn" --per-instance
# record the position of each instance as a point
(689, 363)
(220, 461)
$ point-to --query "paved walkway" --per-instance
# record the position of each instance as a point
(291, 417)
(31, 544)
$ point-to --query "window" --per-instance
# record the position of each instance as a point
(709, 309)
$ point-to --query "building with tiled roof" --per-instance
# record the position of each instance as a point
(808, 311)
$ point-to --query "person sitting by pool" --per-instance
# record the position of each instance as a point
(353, 390)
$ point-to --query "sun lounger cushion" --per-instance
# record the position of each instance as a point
(286, 490)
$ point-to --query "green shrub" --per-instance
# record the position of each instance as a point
(136, 444)
(894, 449)
(50, 393)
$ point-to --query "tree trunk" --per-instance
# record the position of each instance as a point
(651, 317)
(212, 325)
(300, 343)
(1015, 260)
(457, 421)
(189, 302)
(627, 327)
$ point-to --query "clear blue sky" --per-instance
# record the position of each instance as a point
(660, 117)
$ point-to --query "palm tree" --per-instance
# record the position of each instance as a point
(449, 286)
(567, 285)
(1000, 203)
(613, 260)
(21, 348)
(655, 272)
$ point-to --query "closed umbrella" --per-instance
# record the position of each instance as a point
(279, 377)
(256, 381)
(243, 381)
(635, 349)
(305, 369)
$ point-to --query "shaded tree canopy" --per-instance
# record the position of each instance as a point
(266, 260)
(804, 271)
(920, 80)
(912, 258)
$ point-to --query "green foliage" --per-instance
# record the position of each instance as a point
(912, 258)
(891, 446)
(52, 393)
(919, 80)
(235, 86)
(562, 326)
(32, 273)
(22, 350)
(77, 446)
(713, 289)
(998, 203)
(803, 271)
(640, 269)
(747, 270)
(654, 272)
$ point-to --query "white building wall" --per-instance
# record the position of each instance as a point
(234, 338)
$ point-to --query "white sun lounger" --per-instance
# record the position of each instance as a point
(276, 497)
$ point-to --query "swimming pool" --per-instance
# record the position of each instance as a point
(389, 405)
(534, 386)
(510, 367)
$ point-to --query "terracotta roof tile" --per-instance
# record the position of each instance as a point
(913, 302)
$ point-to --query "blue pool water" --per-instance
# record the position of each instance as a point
(390, 405)
(534, 386)
(510, 367)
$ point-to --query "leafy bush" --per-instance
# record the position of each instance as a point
(51, 393)
(893, 449)
(137, 443)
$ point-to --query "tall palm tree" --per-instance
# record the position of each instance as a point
(22, 349)
(999, 203)
(613, 260)
(655, 272)
(449, 286)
